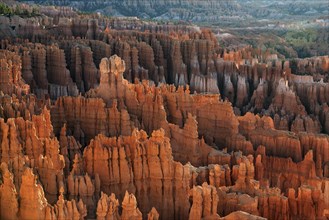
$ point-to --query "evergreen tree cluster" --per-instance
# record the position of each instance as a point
(18, 10)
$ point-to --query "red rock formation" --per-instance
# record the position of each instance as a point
(11, 81)
(100, 50)
(278, 143)
(312, 94)
(27, 69)
(319, 144)
(86, 189)
(307, 124)
(111, 79)
(92, 31)
(312, 65)
(61, 83)
(153, 214)
(151, 169)
(324, 118)
(141, 100)
(230, 202)
(241, 215)
(177, 67)
(80, 115)
(259, 96)
(69, 148)
(242, 92)
(146, 59)
(108, 208)
(216, 119)
(186, 145)
(34, 205)
(83, 69)
(285, 101)
(8, 195)
(39, 70)
(204, 202)
(259, 171)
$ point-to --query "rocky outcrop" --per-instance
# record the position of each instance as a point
(205, 202)
(241, 215)
(278, 143)
(86, 118)
(83, 69)
(69, 148)
(111, 80)
(82, 187)
(11, 81)
(60, 82)
(186, 145)
(324, 118)
(319, 145)
(8, 195)
(286, 100)
(27, 68)
(311, 65)
(139, 99)
(32, 203)
(215, 118)
(252, 150)
(148, 167)
(100, 50)
(38, 56)
(108, 207)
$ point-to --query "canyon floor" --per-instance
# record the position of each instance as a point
(122, 118)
